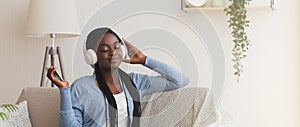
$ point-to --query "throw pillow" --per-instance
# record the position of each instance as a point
(19, 118)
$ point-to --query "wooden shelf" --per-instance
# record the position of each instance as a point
(208, 8)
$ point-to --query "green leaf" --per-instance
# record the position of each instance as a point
(10, 107)
(3, 116)
(235, 73)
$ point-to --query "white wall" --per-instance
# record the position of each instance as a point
(267, 94)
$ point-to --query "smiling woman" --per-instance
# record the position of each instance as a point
(111, 97)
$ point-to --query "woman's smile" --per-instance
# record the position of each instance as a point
(114, 59)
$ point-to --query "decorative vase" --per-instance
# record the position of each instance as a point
(218, 3)
(196, 3)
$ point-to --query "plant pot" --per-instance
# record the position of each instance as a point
(195, 3)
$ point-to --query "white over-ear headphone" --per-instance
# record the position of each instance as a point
(124, 50)
(90, 55)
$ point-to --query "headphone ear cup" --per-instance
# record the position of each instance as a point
(124, 51)
(89, 55)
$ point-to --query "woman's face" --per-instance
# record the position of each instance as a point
(109, 52)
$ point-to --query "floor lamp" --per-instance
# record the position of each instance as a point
(52, 19)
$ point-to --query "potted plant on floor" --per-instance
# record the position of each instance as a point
(237, 14)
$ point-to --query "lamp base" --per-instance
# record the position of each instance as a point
(52, 52)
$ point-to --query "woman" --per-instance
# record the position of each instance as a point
(110, 97)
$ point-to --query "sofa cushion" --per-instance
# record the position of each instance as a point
(18, 118)
(176, 108)
(43, 105)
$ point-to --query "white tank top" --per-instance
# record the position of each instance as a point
(122, 109)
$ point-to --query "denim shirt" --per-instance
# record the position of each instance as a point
(84, 104)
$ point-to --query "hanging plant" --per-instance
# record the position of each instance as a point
(237, 14)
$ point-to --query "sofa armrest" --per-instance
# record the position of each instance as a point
(43, 105)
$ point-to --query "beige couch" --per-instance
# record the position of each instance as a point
(179, 107)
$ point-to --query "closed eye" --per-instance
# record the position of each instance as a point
(117, 45)
(104, 49)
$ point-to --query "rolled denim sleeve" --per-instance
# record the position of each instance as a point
(70, 111)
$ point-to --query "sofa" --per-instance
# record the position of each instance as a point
(180, 107)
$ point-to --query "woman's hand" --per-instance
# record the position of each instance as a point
(136, 56)
(57, 82)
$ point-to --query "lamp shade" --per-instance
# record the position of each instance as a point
(46, 17)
